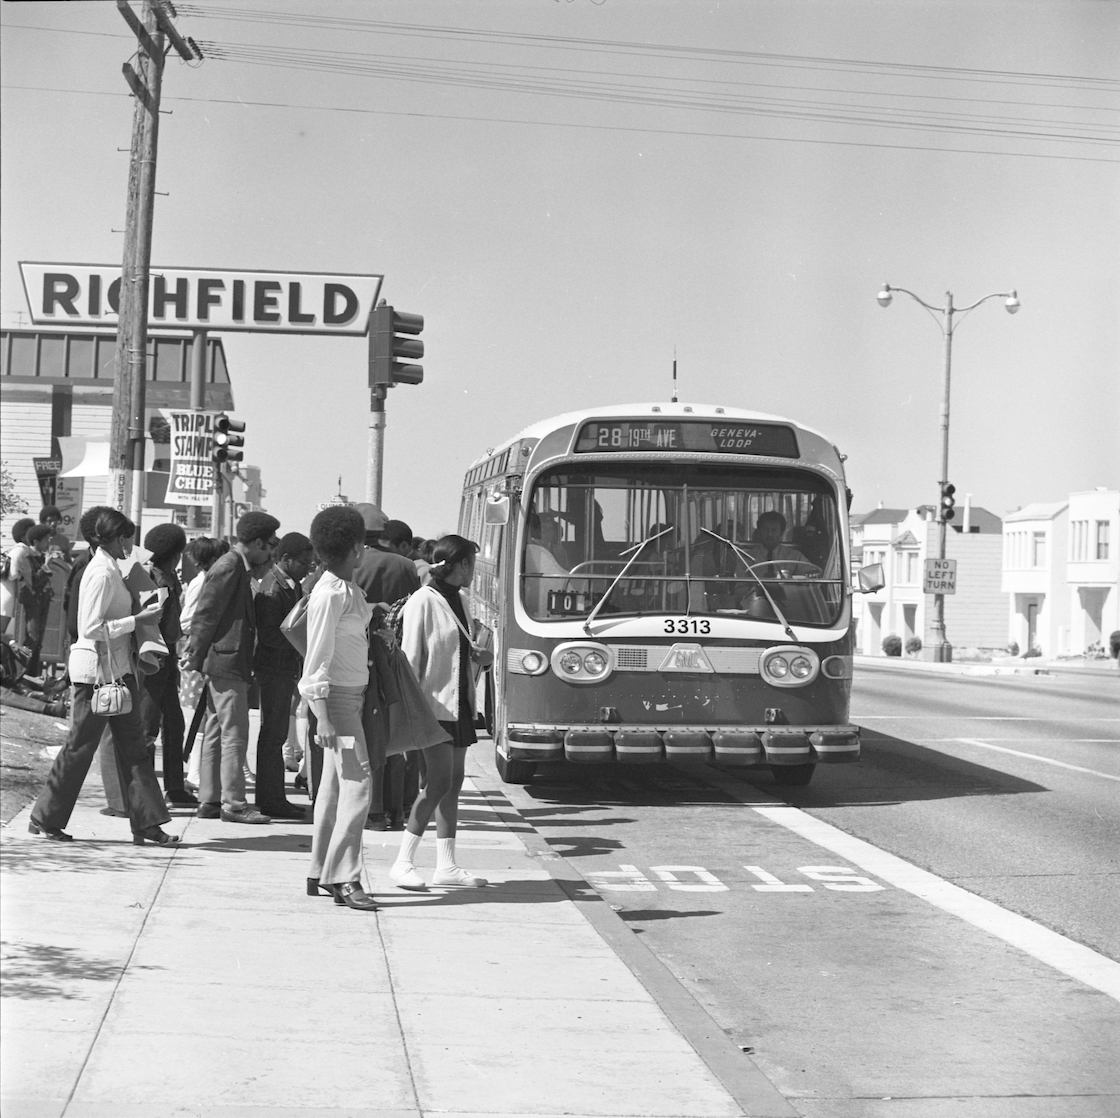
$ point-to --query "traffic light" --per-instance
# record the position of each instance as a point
(385, 345)
(947, 501)
(227, 439)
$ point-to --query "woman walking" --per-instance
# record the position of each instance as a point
(436, 640)
(334, 681)
(104, 652)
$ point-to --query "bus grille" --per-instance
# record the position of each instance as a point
(648, 658)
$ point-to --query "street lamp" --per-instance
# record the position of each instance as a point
(942, 650)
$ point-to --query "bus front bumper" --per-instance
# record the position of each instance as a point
(595, 743)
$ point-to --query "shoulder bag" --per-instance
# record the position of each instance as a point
(294, 626)
(112, 697)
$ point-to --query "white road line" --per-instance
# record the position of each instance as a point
(969, 718)
(1033, 757)
(1072, 959)
(1049, 741)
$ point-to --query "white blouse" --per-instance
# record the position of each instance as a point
(338, 617)
(105, 620)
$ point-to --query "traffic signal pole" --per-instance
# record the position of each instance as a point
(376, 444)
(385, 346)
(942, 649)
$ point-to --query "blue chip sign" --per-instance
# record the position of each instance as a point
(940, 576)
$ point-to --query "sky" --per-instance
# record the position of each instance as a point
(574, 193)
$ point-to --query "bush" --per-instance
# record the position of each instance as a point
(913, 646)
(892, 645)
(1013, 648)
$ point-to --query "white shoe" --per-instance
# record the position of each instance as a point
(456, 875)
(405, 875)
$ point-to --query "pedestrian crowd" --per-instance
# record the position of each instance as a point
(356, 642)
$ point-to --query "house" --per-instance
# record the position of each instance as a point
(902, 540)
(1061, 569)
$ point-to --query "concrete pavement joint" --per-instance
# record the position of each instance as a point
(733, 1068)
(117, 984)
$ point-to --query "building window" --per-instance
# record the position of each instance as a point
(1079, 540)
(1102, 539)
(1038, 549)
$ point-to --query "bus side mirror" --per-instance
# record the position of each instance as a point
(496, 511)
(871, 578)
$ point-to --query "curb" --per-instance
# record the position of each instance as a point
(739, 1075)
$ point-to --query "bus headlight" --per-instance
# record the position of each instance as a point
(801, 667)
(582, 662)
(533, 662)
(789, 666)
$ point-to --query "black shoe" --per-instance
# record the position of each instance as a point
(245, 815)
(396, 823)
(283, 810)
(300, 782)
(180, 797)
(155, 835)
(209, 811)
(55, 834)
(353, 895)
(376, 821)
(112, 811)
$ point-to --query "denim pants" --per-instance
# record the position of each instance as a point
(343, 796)
(225, 743)
(142, 797)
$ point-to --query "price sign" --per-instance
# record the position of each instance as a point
(940, 576)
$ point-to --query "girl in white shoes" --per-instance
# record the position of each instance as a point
(436, 639)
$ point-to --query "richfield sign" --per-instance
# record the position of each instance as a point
(204, 299)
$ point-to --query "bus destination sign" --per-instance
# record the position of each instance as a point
(698, 435)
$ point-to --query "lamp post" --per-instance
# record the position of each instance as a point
(945, 318)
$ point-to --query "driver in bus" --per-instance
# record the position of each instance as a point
(768, 547)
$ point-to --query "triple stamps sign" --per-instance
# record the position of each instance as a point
(940, 576)
(192, 469)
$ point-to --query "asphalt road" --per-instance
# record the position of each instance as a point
(889, 990)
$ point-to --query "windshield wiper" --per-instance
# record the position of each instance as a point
(773, 605)
(637, 549)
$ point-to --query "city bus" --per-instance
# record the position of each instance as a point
(665, 583)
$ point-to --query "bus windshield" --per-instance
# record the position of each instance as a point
(729, 541)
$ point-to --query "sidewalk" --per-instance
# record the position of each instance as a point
(143, 983)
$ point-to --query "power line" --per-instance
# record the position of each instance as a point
(319, 21)
(470, 75)
(957, 98)
(237, 101)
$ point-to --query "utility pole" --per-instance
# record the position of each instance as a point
(126, 446)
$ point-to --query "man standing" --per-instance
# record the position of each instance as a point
(222, 642)
(384, 574)
(52, 518)
(278, 667)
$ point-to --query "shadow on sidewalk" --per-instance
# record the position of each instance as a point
(38, 970)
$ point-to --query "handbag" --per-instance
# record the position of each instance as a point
(294, 626)
(111, 698)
